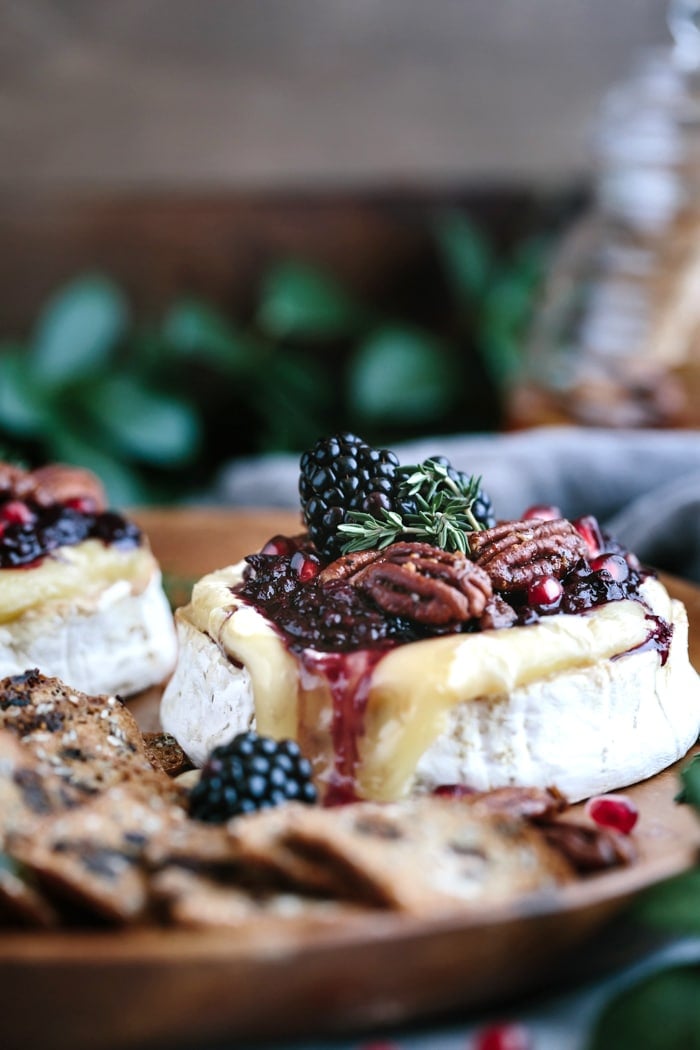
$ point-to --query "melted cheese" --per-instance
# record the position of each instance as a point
(415, 686)
(76, 575)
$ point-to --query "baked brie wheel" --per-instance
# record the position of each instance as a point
(80, 590)
(541, 654)
(586, 703)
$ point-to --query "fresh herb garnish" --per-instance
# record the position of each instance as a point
(436, 508)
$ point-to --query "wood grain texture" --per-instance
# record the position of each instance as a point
(176, 92)
(103, 990)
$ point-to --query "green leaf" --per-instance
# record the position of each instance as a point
(508, 305)
(77, 331)
(400, 375)
(501, 354)
(466, 256)
(673, 905)
(690, 778)
(24, 411)
(143, 424)
(530, 259)
(123, 484)
(194, 329)
(299, 301)
(291, 402)
(660, 1013)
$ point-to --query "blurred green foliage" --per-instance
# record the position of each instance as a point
(155, 408)
(662, 1011)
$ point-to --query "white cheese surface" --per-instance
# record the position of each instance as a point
(121, 640)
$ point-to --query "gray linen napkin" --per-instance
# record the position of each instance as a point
(643, 485)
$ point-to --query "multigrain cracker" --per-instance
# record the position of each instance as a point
(425, 855)
(89, 742)
(191, 899)
(92, 855)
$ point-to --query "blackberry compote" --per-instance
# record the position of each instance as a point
(41, 529)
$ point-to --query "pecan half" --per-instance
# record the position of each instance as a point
(347, 566)
(515, 552)
(589, 849)
(11, 479)
(531, 803)
(59, 482)
(497, 614)
(425, 584)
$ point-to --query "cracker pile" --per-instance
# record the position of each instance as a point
(92, 829)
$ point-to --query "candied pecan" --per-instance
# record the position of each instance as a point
(59, 482)
(587, 848)
(425, 584)
(498, 613)
(531, 803)
(11, 479)
(345, 567)
(515, 552)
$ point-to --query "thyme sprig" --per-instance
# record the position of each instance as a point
(438, 510)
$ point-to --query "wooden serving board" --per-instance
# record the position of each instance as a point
(100, 988)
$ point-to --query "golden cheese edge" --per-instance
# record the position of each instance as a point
(74, 575)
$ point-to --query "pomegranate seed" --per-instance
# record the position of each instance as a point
(453, 791)
(503, 1037)
(278, 545)
(613, 811)
(614, 564)
(83, 504)
(589, 529)
(543, 511)
(15, 512)
(305, 568)
(544, 592)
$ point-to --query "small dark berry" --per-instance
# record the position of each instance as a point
(251, 772)
(341, 474)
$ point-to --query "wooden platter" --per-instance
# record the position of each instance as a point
(100, 989)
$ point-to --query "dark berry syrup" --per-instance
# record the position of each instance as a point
(28, 531)
(348, 677)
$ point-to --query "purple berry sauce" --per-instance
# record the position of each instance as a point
(24, 543)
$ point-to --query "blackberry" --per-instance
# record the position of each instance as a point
(29, 531)
(481, 507)
(20, 546)
(250, 772)
(338, 475)
(60, 526)
(111, 527)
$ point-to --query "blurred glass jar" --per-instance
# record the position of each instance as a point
(616, 340)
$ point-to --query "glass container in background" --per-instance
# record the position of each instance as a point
(616, 340)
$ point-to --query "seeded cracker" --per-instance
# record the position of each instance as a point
(427, 855)
(89, 742)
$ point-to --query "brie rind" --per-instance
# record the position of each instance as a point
(93, 615)
(566, 702)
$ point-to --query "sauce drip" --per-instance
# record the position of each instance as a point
(347, 677)
(658, 640)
